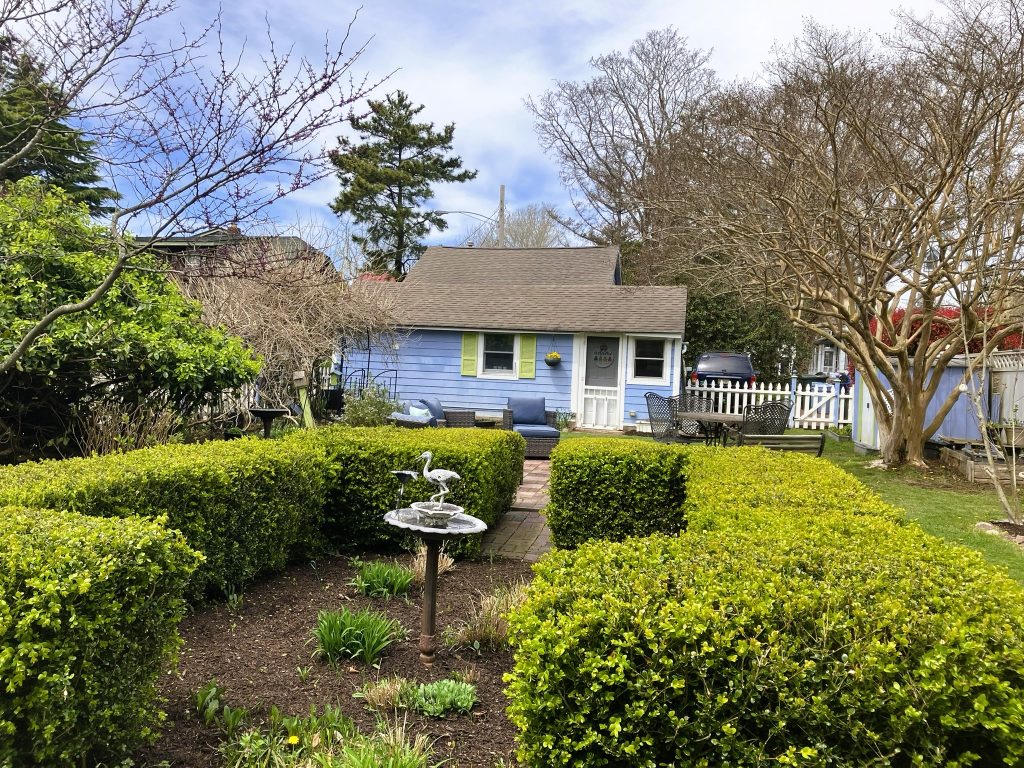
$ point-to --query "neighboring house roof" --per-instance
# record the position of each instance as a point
(211, 251)
(598, 265)
(546, 308)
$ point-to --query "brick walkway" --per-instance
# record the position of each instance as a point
(522, 534)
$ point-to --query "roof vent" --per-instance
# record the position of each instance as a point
(469, 243)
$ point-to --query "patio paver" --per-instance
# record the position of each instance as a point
(522, 533)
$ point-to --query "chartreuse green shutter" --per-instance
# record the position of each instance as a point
(527, 356)
(469, 354)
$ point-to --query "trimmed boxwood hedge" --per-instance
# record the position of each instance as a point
(248, 505)
(252, 505)
(847, 642)
(360, 487)
(612, 489)
(89, 610)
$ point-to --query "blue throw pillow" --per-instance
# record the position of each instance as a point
(434, 406)
(527, 409)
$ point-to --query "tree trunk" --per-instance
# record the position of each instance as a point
(903, 442)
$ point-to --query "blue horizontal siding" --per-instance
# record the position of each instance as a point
(429, 362)
(634, 398)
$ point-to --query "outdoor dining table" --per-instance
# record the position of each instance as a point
(713, 424)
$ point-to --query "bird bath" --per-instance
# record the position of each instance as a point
(267, 416)
(434, 522)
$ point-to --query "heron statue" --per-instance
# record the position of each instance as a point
(438, 477)
(404, 477)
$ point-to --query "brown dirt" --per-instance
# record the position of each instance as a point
(255, 652)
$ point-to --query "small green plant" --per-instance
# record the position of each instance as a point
(441, 697)
(369, 408)
(360, 635)
(326, 740)
(565, 419)
(381, 578)
(208, 702)
(304, 673)
(235, 601)
(487, 627)
(384, 694)
(214, 711)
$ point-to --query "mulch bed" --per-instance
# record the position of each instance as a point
(255, 651)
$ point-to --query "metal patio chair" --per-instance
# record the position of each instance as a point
(661, 411)
(689, 430)
(768, 418)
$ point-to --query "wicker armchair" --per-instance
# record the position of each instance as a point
(541, 439)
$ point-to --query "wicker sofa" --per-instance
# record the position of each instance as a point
(439, 415)
(528, 417)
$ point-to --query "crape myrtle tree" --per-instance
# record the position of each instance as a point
(191, 133)
(386, 177)
(863, 183)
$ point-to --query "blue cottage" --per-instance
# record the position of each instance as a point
(479, 325)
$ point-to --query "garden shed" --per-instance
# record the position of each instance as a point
(482, 324)
(961, 423)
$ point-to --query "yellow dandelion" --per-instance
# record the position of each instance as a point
(293, 739)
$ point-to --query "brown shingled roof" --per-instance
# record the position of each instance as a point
(516, 266)
(550, 308)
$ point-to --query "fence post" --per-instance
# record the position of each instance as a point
(836, 389)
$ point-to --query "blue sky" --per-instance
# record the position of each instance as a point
(473, 63)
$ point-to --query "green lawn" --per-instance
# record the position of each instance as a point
(943, 503)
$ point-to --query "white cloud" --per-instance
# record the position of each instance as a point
(473, 63)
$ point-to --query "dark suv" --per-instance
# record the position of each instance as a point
(724, 366)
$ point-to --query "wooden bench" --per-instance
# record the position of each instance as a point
(812, 444)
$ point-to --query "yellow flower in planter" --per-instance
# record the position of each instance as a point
(552, 358)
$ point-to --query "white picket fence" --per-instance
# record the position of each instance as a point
(815, 406)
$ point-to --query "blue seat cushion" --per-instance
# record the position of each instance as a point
(434, 406)
(536, 430)
(419, 421)
(527, 409)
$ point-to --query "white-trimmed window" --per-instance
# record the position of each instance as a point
(648, 361)
(499, 355)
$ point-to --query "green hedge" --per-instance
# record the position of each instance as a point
(848, 642)
(360, 486)
(248, 505)
(612, 489)
(88, 616)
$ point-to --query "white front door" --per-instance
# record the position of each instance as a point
(602, 383)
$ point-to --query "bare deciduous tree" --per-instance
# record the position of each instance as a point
(191, 133)
(867, 187)
(622, 138)
(290, 304)
(532, 226)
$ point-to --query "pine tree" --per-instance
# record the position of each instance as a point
(387, 176)
(61, 156)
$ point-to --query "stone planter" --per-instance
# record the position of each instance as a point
(838, 437)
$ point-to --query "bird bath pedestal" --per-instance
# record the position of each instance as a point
(267, 416)
(421, 523)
